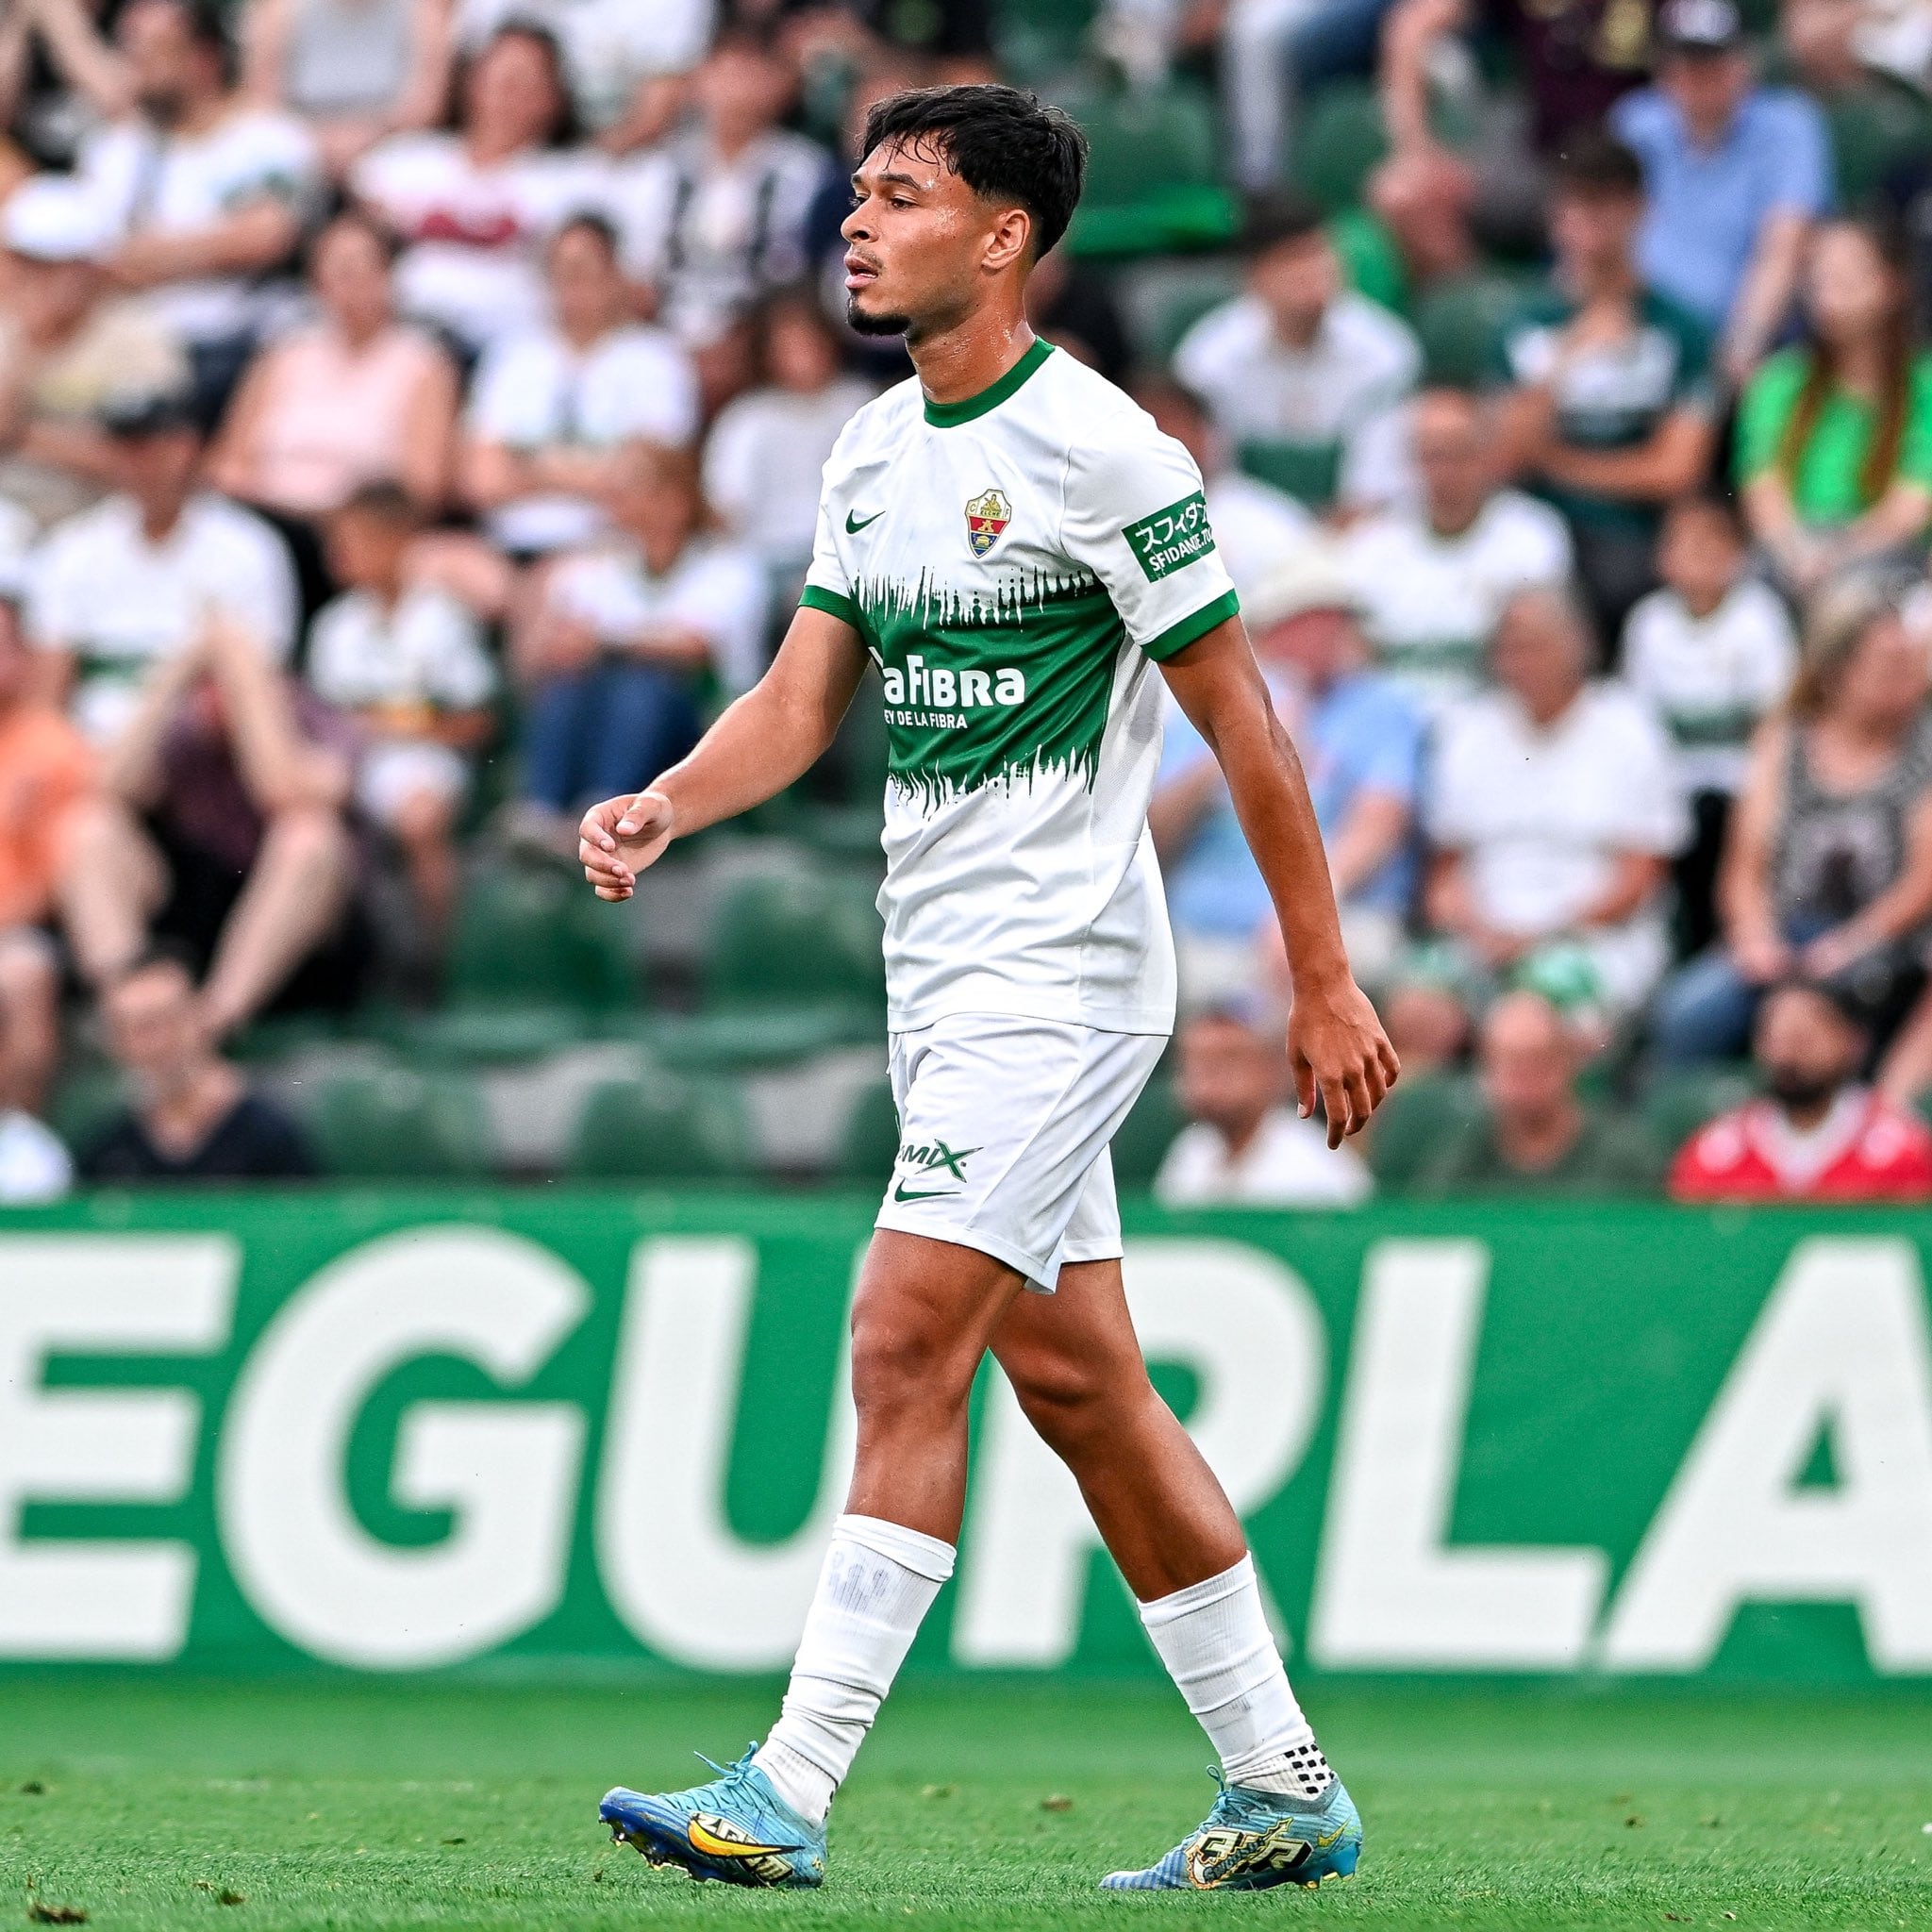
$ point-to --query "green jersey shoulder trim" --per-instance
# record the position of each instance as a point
(950, 415)
(814, 598)
(1177, 637)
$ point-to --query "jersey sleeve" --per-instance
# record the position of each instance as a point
(1135, 515)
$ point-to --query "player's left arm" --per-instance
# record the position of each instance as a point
(1335, 1043)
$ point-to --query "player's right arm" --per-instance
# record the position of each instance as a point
(762, 742)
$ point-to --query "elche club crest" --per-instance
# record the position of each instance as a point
(987, 517)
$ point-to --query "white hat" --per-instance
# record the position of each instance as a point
(1307, 577)
(49, 219)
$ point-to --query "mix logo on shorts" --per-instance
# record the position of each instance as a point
(930, 1159)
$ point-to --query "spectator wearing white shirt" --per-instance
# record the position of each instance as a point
(1553, 811)
(716, 218)
(133, 582)
(205, 191)
(1244, 1144)
(1433, 579)
(630, 633)
(1714, 652)
(407, 661)
(1298, 372)
(552, 408)
(353, 70)
(473, 208)
(764, 456)
(35, 1167)
(1256, 527)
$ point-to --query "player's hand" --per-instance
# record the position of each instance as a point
(1337, 1049)
(618, 838)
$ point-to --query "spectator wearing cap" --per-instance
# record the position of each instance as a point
(1834, 445)
(1827, 866)
(1361, 740)
(1300, 373)
(473, 208)
(125, 586)
(355, 71)
(205, 191)
(1816, 1133)
(1533, 1134)
(1553, 811)
(1244, 1144)
(1609, 399)
(67, 344)
(1254, 524)
(46, 770)
(1734, 173)
(194, 1117)
(717, 217)
(355, 397)
(1433, 577)
(552, 408)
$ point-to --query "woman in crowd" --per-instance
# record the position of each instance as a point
(1828, 869)
(474, 207)
(1834, 439)
(355, 398)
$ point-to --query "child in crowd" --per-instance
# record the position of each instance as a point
(1713, 651)
(408, 660)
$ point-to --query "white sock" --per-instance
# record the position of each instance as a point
(878, 1582)
(1213, 1639)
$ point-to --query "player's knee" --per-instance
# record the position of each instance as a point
(900, 1362)
(1069, 1401)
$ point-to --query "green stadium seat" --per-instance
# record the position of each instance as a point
(1873, 129)
(1307, 472)
(1679, 1100)
(870, 1142)
(1413, 1120)
(1153, 179)
(1339, 143)
(531, 933)
(1170, 308)
(1040, 41)
(661, 1127)
(798, 938)
(400, 1124)
(1146, 1134)
(1457, 323)
(84, 1101)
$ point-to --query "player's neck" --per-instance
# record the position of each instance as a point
(956, 364)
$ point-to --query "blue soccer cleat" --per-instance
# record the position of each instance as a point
(1252, 1840)
(736, 1830)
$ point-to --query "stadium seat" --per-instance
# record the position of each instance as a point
(1161, 307)
(1146, 1134)
(1412, 1119)
(870, 1140)
(1457, 324)
(1679, 1100)
(531, 932)
(1152, 176)
(1306, 471)
(798, 938)
(83, 1104)
(400, 1124)
(1040, 40)
(1873, 130)
(661, 1127)
(1339, 145)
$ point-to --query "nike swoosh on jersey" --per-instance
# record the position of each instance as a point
(707, 1841)
(855, 524)
(899, 1194)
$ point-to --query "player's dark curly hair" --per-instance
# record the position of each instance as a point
(1004, 144)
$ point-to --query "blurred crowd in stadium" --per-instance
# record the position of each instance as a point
(410, 421)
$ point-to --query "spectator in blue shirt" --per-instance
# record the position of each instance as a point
(1360, 739)
(1734, 172)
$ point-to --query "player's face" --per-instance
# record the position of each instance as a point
(920, 245)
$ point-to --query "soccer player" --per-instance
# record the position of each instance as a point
(1016, 548)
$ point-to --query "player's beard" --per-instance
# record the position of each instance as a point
(862, 324)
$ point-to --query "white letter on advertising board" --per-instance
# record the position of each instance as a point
(676, 1572)
(1840, 1348)
(507, 1471)
(1247, 1327)
(1391, 1594)
(101, 1294)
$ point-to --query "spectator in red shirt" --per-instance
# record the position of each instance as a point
(1816, 1134)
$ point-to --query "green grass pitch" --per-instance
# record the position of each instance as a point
(153, 1803)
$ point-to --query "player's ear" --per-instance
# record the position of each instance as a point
(1011, 237)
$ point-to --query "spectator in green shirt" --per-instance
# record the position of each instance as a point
(1835, 437)
(1533, 1135)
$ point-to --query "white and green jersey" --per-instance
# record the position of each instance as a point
(1013, 563)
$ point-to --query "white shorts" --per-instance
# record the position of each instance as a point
(1003, 1130)
(395, 770)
